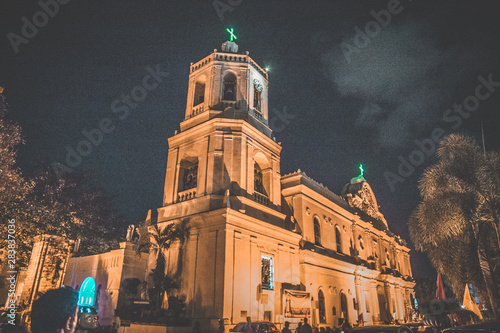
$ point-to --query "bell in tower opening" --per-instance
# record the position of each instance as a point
(229, 87)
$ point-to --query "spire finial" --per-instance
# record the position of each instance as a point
(361, 170)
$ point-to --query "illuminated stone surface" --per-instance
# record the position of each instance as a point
(256, 235)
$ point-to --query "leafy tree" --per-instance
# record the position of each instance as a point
(457, 223)
(75, 208)
(160, 241)
(13, 186)
(70, 207)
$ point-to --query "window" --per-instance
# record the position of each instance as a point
(343, 307)
(267, 275)
(190, 178)
(188, 174)
(257, 97)
(229, 87)
(199, 91)
(338, 239)
(258, 180)
(321, 307)
(317, 232)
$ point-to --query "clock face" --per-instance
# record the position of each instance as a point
(258, 85)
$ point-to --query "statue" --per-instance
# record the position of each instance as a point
(130, 232)
(228, 204)
(143, 291)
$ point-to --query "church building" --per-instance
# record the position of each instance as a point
(269, 246)
(261, 244)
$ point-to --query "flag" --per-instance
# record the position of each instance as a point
(440, 288)
(164, 302)
(469, 303)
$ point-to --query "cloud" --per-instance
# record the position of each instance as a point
(404, 78)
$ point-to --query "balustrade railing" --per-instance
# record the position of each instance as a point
(260, 198)
(186, 195)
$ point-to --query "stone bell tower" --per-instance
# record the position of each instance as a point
(224, 148)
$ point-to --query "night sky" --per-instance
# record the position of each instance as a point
(350, 98)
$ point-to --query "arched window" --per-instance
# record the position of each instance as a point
(321, 307)
(258, 180)
(188, 174)
(257, 95)
(317, 232)
(229, 87)
(343, 307)
(86, 294)
(338, 239)
(199, 91)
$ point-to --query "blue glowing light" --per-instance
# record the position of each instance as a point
(87, 293)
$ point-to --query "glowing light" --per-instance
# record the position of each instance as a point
(231, 34)
(361, 172)
(267, 69)
(87, 293)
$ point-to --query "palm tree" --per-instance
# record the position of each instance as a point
(160, 241)
(457, 223)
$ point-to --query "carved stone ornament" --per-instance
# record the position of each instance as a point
(365, 200)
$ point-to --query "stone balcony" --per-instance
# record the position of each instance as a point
(260, 198)
(186, 195)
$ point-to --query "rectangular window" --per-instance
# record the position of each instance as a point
(267, 276)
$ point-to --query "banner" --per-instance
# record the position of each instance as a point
(469, 303)
(297, 304)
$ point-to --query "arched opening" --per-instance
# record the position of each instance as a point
(229, 87)
(321, 307)
(257, 96)
(383, 304)
(86, 294)
(262, 175)
(343, 308)
(258, 180)
(338, 239)
(199, 90)
(317, 231)
(188, 174)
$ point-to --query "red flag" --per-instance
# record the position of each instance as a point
(440, 288)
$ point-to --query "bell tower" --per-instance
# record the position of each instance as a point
(227, 84)
(223, 154)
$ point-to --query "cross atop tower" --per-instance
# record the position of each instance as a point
(231, 34)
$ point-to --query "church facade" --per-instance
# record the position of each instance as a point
(265, 245)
